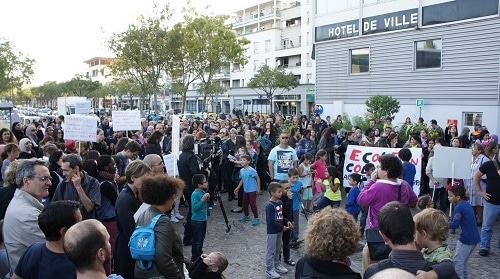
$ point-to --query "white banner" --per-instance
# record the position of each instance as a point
(357, 156)
(82, 128)
(452, 162)
(83, 107)
(176, 127)
(126, 120)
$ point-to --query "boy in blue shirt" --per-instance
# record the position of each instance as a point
(296, 187)
(199, 202)
(351, 205)
(409, 169)
(275, 228)
(251, 188)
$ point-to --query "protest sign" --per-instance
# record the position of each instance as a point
(357, 156)
(82, 128)
(452, 162)
(176, 126)
(126, 120)
(83, 107)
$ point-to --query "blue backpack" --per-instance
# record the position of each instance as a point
(142, 244)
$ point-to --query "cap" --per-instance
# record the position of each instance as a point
(70, 145)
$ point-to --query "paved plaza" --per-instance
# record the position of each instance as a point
(245, 245)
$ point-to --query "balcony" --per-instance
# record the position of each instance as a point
(254, 18)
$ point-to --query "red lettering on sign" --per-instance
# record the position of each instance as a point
(354, 155)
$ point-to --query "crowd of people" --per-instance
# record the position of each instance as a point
(299, 161)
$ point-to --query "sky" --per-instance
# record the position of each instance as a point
(61, 34)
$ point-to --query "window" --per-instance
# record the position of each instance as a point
(255, 65)
(428, 54)
(268, 62)
(256, 47)
(360, 60)
(268, 45)
(473, 118)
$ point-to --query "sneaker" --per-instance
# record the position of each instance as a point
(255, 222)
(272, 274)
(244, 218)
(173, 219)
(290, 262)
(178, 216)
(281, 269)
(483, 252)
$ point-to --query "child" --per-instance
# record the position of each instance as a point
(209, 266)
(296, 187)
(368, 169)
(352, 205)
(275, 228)
(319, 167)
(331, 187)
(431, 231)
(199, 203)
(409, 169)
(251, 188)
(463, 216)
(424, 202)
(287, 201)
(305, 178)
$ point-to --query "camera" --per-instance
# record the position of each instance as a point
(206, 148)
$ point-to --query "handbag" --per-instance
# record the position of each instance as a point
(235, 177)
(377, 248)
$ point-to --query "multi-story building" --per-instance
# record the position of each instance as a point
(279, 32)
(98, 70)
(439, 58)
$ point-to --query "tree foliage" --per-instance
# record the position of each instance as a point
(213, 45)
(143, 52)
(16, 68)
(269, 80)
(380, 107)
(81, 86)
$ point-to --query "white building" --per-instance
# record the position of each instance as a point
(445, 52)
(98, 70)
(280, 35)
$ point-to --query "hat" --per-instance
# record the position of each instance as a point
(70, 145)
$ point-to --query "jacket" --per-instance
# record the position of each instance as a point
(21, 225)
(168, 257)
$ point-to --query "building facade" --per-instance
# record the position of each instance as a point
(98, 70)
(442, 55)
(280, 35)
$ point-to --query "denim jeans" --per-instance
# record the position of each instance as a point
(490, 214)
(199, 231)
(273, 250)
(355, 215)
(295, 231)
(462, 254)
(324, 202)
(364, 216)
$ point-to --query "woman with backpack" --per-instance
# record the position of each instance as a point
(161, 192)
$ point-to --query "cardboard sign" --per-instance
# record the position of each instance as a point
(126, 120)
(452, 162)
(82, 128)
(83, 107)
(356, 157)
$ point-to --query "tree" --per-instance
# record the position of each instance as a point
(81, 86)
(379, 107)
(269, 80)
(212, 44)
(16, 68)
(48, 92)
(143, 52)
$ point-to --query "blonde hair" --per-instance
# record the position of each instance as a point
(434, 222)
(424, 202)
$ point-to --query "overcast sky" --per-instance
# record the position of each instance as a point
(61, 34)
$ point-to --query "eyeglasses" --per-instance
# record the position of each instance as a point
(43, 179)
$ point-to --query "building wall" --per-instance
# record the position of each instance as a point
(468, 80)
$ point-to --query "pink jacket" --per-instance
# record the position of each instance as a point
(377, 194)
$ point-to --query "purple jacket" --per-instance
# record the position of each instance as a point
(378, 194)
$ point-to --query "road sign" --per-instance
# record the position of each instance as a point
(420, 102)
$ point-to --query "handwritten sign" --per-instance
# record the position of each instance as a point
(126, 120)
(83, 128)
(83, 107)
(357, 156)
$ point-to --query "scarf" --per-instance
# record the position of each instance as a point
(109, 177)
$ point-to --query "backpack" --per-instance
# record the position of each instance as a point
(142, 244)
